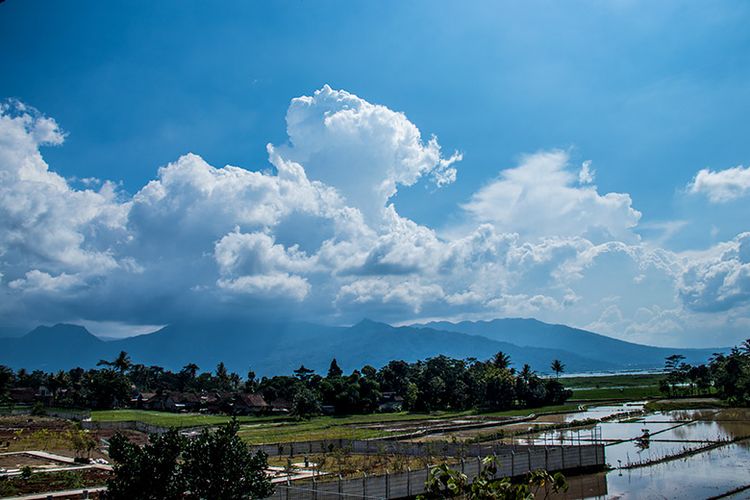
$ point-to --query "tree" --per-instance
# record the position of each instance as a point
(121, 363)
(500, 389)
(220, 465)
(334, 371)
(216, 464)
(305, 403)
(676, 370)
(251, 383)
(152, 472)
(558, 367)
(82, 443)
(501, 360)
(6, 382)
(222, 375)
(187, 375)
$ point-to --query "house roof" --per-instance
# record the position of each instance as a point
(253, 400)
(23, 394)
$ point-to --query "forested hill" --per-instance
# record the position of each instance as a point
(533, 333)
(279, 348)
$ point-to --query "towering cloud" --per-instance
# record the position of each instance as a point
(319, 237)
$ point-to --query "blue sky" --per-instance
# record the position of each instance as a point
(650, 94)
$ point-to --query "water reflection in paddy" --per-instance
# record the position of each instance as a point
(597, 412)
(699, 476)
(605, 431)
(630, 452)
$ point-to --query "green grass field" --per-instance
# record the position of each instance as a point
(167, 419)
(613, 381)
(630, 393)
(283, 429)
(626, 386)
(346, 427)
(688, 404)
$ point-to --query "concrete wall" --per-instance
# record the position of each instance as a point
(510, 463)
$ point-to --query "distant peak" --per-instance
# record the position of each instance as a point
(368, 323)
(61, 330)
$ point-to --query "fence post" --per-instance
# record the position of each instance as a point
(512, 463)
(580, 453)
(340, 489)
(546, 459)
(288, 486)
(530, 467)
(387, 484)
(408, 481)
(364, 484)
(463, 464)
(562, 456)
(315, 489)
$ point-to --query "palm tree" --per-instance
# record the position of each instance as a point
(526, 372)
(122, 363)
(501, 360)
(558, 367)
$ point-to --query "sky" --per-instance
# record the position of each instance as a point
(579, 162)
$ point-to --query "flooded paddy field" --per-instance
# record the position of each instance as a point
(683, 454)
(667, 454)
(510, 427)
(703, 475)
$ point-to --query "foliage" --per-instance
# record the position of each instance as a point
(219, 465)
(26, 472)
(305, 404)
(38, 410)
(440, 383)
(213, 465)
(82, 443)
(558, 367)
(150, 472)
(444, 482)
(726, 374)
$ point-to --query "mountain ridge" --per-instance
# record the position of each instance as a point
(278, 348)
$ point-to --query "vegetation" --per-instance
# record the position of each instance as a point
(616, 393)
(213, 465)
(616, 381)
(170, 419)
(49, 481)
(439, 383)
(558, 367)
(355, 426)
(727, 376)
(444, 482)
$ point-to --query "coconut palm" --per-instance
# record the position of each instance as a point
(501, 360)
(558, 367)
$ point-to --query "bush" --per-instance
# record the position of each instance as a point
(214, 465)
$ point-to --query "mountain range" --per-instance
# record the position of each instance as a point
(271, 348)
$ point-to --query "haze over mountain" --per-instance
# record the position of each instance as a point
(275, 348)
(529, 332)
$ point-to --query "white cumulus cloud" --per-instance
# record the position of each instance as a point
(540, 197)
(722, 185)
(319, 234)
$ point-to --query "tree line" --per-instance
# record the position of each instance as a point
(438, 383)
(726, 375)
